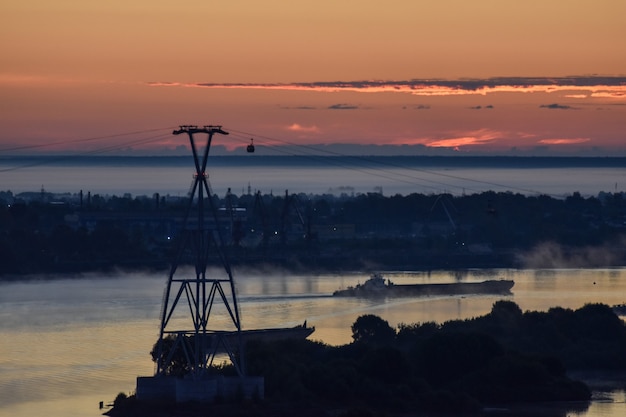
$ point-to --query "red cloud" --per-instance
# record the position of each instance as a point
(295, 127)
(564, 141)
(480, 137)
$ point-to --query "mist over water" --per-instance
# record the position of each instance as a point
(551, 255)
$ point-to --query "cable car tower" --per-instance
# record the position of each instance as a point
(202, 296)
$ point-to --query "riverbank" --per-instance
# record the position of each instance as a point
(325, 233)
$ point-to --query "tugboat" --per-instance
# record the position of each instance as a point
(378, 286)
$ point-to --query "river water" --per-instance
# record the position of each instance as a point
(68, 343)
(558, 177)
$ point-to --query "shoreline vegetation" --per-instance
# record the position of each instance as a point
(502, 360)
(75, 233)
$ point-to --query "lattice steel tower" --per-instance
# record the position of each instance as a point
(208, 299)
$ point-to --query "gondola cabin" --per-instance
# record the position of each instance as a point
(250, 147)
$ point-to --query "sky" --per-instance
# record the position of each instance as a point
(413, 76)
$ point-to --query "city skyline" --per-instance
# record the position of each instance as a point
(450, 77)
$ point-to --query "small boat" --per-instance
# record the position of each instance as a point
(378, 286)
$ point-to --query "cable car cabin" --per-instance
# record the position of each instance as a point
(250, 147)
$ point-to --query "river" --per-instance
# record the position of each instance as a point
(69, 343)
(557, 177)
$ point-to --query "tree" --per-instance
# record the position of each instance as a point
(178, 364)
(372, 329)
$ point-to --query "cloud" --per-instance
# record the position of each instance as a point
(296, 127)
(6, 78)
(299, 108)
(481, 107)
(610, 94)
(556, 106)
(168, 84)
(594, 86)
(341, 106)
(480, 137)
(10, 79)
(564, 141)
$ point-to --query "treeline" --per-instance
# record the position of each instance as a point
(45, 233)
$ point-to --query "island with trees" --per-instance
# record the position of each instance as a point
(503, 358)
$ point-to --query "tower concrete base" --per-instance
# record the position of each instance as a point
(180, 390)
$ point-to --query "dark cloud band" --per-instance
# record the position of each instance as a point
(592, 85)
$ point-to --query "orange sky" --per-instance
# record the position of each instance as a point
(294, 72)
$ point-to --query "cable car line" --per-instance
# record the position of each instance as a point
(388, 164)
(411, 179)
(82, 140)
(361, 164)
(366, 170)
(97, 151)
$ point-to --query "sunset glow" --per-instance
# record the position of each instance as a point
(476, 138)
(482, 77)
